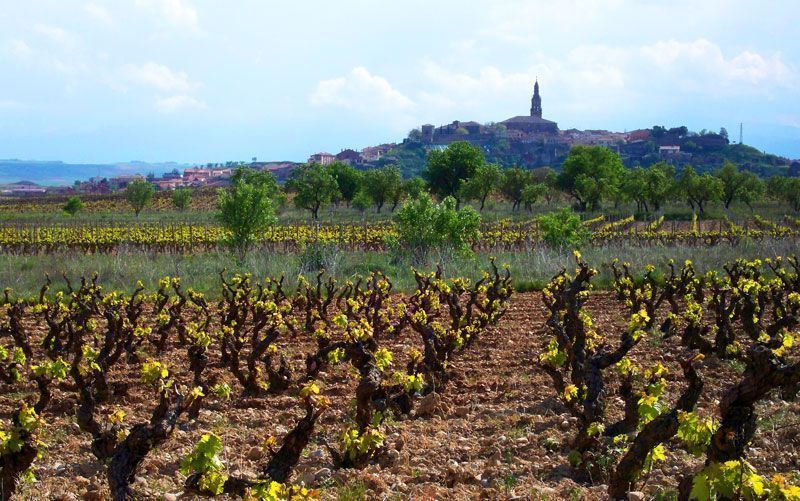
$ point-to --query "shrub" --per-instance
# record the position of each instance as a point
(318, 256)
(73, 206)
(181, 198)
(423, 225)
(139, 194)
(562, 229)
(245, 209)
(361, 201)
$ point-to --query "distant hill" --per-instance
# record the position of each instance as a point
(704, 151)
(60, 173)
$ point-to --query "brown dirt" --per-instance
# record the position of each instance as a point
(500, 432)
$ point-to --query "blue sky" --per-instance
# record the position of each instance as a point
(205, 80)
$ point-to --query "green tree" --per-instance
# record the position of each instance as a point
(245, 209)
(563, 229)
(409, 188)
(414, 187)
(348, 179)
(590, 174)
(263, 178)
(659, 184)
(423, 225)
(73, 205)
(634, 187)
(139, 194)
(551, 182)
(314, 187)
(447, 169)
(362, 201)
(514, 181)
(786, 189)
(531, 193)
(741, 186)
(487, 179)
(181, 198)
(698, 190)
(383, 185)
(650, 187)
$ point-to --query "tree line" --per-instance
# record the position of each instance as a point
(590, 177)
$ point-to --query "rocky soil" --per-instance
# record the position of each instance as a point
(497, 431)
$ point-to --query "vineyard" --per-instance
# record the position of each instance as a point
(675, 384)
(203, 200)
(502, 235)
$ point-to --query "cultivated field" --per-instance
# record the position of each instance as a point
(492, 422)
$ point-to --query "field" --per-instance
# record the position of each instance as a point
(495, 427)
(499, 432)
(141, 358)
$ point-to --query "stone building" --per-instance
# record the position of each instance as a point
(533, 123)
(322, 158)
(350, 157)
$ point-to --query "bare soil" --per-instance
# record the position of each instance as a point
(498, 432)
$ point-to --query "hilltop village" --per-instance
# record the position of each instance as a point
(527, 141)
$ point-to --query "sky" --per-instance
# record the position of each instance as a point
(209, 81)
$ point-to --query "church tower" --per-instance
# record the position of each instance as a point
(536, 102)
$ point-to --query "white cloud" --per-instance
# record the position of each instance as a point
(8, 104)
(155, 75)
(53, 49)
(175, 103)
(521, 21)
(176, 12)
(20, 49)
(601, 80)
(58, 36)
(98, 12)
(450, 89)
(361, 91)
(708, 67)
(370, 96)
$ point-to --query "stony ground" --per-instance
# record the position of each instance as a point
(498, 431)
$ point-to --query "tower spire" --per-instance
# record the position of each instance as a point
(536, 102)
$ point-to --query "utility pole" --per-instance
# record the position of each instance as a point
(741, 128)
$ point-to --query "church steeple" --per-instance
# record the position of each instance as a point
(536, 102)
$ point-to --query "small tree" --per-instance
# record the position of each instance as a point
(73, 206)
(743, 186)
(634, 188)
(514, 181)
(348, 180)
(314, 186)
(245, 209)
(487, 178)
(448, 168)
(139, 194)
(650, 187)
(563, 229)
(659, 184)
(699, 190)
(787, 190)
(181, 198)
(414, 187)
(532, 193)
(591, 174)
(423, 225)
(362, 201)
(383, 185)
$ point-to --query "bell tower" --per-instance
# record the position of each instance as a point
(536, 102)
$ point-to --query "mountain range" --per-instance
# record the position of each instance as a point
(56, 173)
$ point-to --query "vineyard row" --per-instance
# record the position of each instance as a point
(503, 235)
